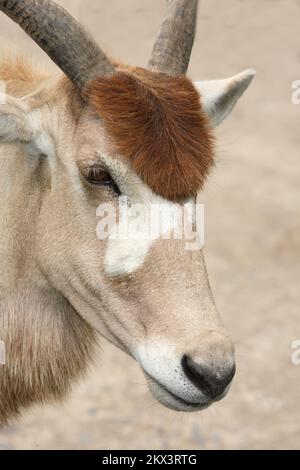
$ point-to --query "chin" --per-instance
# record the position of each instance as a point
(173, 402)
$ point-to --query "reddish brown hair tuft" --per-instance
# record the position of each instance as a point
(156, 123)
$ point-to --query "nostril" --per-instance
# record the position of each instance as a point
(209, 382)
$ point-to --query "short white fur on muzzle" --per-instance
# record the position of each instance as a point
(167, 380)
(161, 362)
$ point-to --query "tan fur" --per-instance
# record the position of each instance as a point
(55, 297)
(48, 345)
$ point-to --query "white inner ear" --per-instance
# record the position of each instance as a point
(218, 97)
(19, 124)
(14, 120)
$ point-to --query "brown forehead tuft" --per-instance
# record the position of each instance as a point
(156, 122)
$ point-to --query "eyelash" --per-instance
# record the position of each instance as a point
(100, 177)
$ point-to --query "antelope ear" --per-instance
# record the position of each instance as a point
(14, 120)
(218, 97)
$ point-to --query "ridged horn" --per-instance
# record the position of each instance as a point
(62, 38)
(172, 49)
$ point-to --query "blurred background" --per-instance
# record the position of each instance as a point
(252, 207)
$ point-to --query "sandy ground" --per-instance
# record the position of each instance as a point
(252, 244)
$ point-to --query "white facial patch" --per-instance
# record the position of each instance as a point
(143, 218)
(125, 257)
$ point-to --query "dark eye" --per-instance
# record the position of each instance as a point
(100, 177)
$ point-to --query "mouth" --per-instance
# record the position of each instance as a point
(172, 401)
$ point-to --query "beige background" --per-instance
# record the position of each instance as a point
(252, 243)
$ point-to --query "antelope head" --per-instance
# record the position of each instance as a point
(143, 136)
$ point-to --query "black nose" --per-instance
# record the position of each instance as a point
(207, 380)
